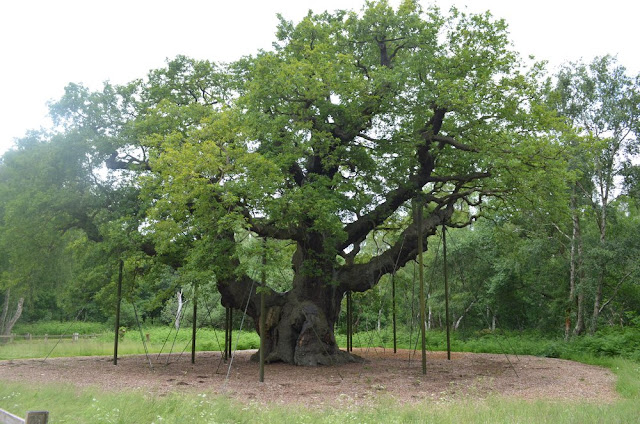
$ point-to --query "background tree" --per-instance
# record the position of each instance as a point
(601, 103)
(46, 201)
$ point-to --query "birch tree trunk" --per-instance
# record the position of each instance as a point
(576, 271)
(180, 304)
(6, 325)
(580, 327)
(602, 226)
(5, 311)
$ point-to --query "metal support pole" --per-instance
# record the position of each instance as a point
(119, 301)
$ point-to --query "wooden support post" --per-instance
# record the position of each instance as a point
(418, 220)
(349, 323)
(118, 302)
(230, 331)
(263, 336)
(351, 330)
(393, 309)
(263, 310)
(446, 290)
(229, 334)
(193, 329)
(348, 320)
(226, 333)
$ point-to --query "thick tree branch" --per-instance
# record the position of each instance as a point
(127, 162)
(452, 142)
(432, 129)
(362, 277)
(358, 230)
(297, 174)
(239, 291)
(265, 228)
(460, 178)
(173, 261)
(235, 292)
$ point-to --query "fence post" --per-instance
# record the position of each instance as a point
(46, 337)
(75, 337)
(37, 417)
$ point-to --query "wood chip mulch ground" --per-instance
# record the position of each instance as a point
(398, 376)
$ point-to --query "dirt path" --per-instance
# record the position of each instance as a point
(384, 374)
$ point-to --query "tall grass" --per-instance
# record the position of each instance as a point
(627, 371)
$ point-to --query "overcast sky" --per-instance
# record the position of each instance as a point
(45, 44)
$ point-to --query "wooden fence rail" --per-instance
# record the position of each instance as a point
(33, 417)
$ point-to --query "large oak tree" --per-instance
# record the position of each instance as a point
(318, 144)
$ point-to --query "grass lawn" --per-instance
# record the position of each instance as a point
(68, 404)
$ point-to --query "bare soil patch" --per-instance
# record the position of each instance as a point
(383, 375)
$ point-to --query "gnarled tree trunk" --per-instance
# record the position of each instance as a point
(301, 331)
(300, 323)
